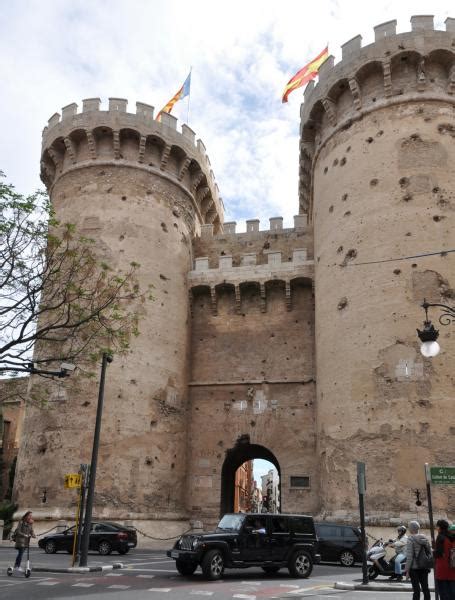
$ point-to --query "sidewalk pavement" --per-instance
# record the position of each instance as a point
(383, 585)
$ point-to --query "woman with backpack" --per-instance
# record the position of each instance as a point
(24, 531)
(418, 561)
(444, 555)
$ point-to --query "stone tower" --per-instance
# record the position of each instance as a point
(297, 345)
(376, 155)
(142, 190)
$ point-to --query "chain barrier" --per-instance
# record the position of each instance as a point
(162, 539)
(48, 531)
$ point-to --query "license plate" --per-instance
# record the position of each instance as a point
(131, 544)
(174, 553)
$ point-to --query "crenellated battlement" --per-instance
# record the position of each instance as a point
(75, 139)
(252, 227)
(396, 68)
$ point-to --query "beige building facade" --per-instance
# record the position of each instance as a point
(296, 345)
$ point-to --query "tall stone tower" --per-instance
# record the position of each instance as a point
(142, 190)
(376, 155)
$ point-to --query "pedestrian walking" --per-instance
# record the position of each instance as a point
(418, 561)
(24, 531)
(444, 571)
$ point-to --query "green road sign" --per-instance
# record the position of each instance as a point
(442, 475)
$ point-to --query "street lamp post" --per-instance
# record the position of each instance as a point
(428, 335)
(91, 484)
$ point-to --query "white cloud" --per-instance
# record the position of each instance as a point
(242, 54)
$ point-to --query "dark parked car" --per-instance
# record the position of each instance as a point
(341, 543)
(104, 538)
(270, 541)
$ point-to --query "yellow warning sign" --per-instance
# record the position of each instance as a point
(72, 480)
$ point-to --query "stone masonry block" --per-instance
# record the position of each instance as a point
(326, 68)
(207, 230)
(276, 223)
(90, 104)
(168, 120)
(300, 221)
(145, 110)
(422, 22)
(299, 256)
(450, 24)
(188, 133)
(351, 48)
(69, 111)
(252, 225)
(274, 258)
(249, 260)
(54, 120)
(385, 30)
(118, 104)
(229, 227)
(201, 264)
(225, 262)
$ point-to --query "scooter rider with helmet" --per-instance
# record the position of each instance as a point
(400, 548)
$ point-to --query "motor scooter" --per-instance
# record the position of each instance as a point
(378, 564)
(11, 571)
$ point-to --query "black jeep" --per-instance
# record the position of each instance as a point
(270, 541)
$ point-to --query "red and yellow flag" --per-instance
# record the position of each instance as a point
(306, 74)
(182, 93)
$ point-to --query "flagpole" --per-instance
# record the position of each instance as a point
(188, 105)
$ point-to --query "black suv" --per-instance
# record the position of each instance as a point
(339, 543)
(270, 541)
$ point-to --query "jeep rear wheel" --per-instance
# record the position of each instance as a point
(185, 568)
(271, 569)
(300, 564)
(213, 565)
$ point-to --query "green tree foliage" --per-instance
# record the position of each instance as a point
(58, 301)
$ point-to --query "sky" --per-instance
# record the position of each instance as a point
(242, 53)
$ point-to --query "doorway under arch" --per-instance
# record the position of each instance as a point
(235, 457)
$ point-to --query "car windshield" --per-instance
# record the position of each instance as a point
(231, 523)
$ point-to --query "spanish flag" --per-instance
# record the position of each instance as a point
(306, 74)
(182, 93)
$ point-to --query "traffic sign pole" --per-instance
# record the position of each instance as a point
(430, 514)
(362, 486)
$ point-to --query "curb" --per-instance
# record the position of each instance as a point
(78, 569)
(375, 587)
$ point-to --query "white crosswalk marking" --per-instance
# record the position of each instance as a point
(200, 593)
(83, 585)
(245, 596)
(48, 583)
(118, 587)
(159, 589)
(289, 585)
(114, 574)
(146, 576)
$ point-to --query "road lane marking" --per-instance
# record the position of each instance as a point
(83, 585)
(159, 589)
(114, 574)
(146, 576)
(245, 596)
(48, 583)
(118, 587)
(200, 593)
(154, 570)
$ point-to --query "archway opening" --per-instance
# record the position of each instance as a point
(244, 486)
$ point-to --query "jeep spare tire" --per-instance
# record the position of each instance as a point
(212, 565)
(300, 564)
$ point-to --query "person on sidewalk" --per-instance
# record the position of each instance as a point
(417, 543)
(400, 552)
(22, 535)
(444, 574)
